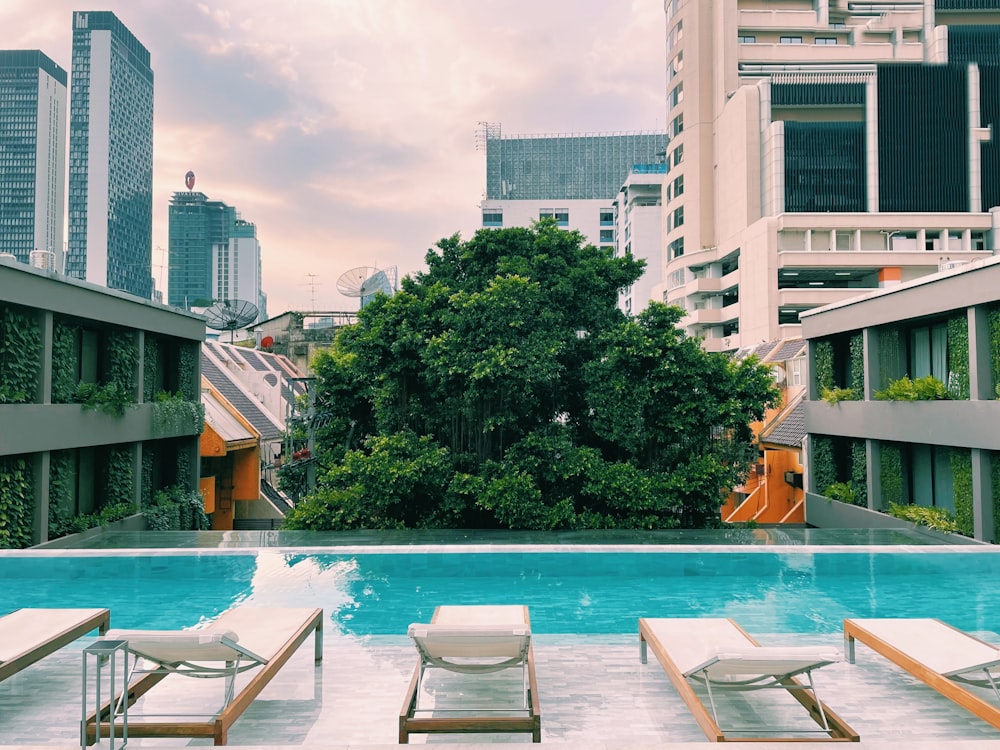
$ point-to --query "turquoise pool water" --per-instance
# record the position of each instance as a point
(593, 592)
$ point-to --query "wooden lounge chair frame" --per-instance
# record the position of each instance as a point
(216, 725)
(947, 685)
(531, 722)
(835, 729)
(75, 623)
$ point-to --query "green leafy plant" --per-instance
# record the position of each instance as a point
(16, 497)
(65, 361)
(857, 369)
(20, 354)
(823, 359)
(842, 492)
(110, 398)
(824, 469)
(173, 413)
(835, 395)
(927, 388)
(177, 508)
(958, 357)
(935, 518)
(961, 472)
(891, 470)
(859, 472)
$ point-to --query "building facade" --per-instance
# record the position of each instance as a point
(818, 148)
(213, 254)
(877, 438)
(32, 157)
(99, 406)
(572, 178)
(638, 231)
(110, 156)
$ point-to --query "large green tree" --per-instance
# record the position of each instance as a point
(503, 387)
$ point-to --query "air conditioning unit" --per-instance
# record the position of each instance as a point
(758, 469)
(794, 478)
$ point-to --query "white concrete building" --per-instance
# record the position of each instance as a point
(819, 148)
(638, 231)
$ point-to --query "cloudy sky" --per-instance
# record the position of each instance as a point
(345, 129)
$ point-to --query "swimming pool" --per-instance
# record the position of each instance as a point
(601, 591)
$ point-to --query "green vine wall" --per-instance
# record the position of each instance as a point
(65, 361)
(119, 477)
(16, 502)
(62, 493)
(994, 320)
(859, 472)
(824, 467)
(187, 368)
(823, 360)
(150, 366)
(123, 361)
(958, 356)
(961, 472)
(857, 349)
(891, 465)
(20, 354)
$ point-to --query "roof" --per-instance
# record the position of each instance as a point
(223, 421)
(787, 350)
(226, 384)
(788, 429)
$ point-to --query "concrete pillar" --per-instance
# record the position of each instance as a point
(873, 457)
(980, 368)
(982, 495)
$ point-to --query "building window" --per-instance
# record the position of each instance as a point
(492, 218)
(561, 215)
(827, 40)
(746, 39)
(795, 368)
(676, 65)
(607, 235)
(678, 186)
(791, 40)
(677, 126)
(678, 216)
(677, 155)
(607, 218)
(675, 249)
(676, 95)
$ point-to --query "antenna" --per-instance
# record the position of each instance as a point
(312, 291)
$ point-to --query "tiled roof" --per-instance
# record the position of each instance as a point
(245, 405)
(761, 350)
(790, 430)
(788, 350)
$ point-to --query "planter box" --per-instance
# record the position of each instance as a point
(136, 522)
(967, 424)
(30, 428)
(824, 513)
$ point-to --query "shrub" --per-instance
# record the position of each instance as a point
(842, 492)
(927, 388)
(835, 395)
(934, 518)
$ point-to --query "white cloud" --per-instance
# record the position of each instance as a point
(345, 129)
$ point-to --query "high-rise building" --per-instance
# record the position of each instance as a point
(573, 179)
(110, 156)
(32, 156)
(819, 148)
(214, 254)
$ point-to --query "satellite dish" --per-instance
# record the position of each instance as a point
(365, 282)
(230, 315)
(352, 283)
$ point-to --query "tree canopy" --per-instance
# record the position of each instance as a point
(504, 388)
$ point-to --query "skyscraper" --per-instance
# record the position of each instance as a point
(111, 156)
(214, 254)
(819, 149)
(32, 154)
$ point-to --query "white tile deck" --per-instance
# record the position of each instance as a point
(595, 695)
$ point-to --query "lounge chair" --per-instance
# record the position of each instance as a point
(720, 655)
(27, 635)
(946, 658)
(243, 639)
(473, 640)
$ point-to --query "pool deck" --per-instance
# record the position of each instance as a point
(594, 692)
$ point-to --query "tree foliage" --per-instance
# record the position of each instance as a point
(504, 388)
